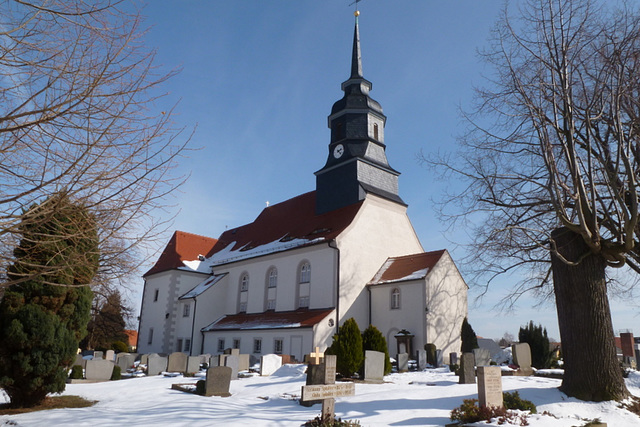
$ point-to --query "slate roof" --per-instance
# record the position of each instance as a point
(182, 247)
(408, 267)
(282, 226)
(269, 320)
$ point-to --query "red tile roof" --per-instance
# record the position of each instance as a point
(292, 219)
(182, 247)
(133, 337)
(269, 320)
(408, 267)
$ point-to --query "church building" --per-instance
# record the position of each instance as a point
(285, 282)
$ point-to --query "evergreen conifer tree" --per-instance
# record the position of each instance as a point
(347, 346)
(536, 337)
(372, 339)
(43, 318)
(469, 337)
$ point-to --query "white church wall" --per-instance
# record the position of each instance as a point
(380, 230)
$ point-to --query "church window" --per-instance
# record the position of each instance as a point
(305, 272)
(257, 345)
(220, 344)
(186, 310)
(155, 295)
(277, 345)
(395, 298)
(187, 344)
(236, 343)
(273, 278)
(375, 131)
(179, 344)
(150, 341)
(244, 283)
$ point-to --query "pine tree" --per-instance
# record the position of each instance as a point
(372, 339)
(347, 346)
(43, 317)
(536, 337)
(469, 337)
(107, 324)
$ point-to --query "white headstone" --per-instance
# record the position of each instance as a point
(374, 366)
(269, 363)
(99, 370)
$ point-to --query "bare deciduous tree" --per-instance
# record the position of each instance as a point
(78, 115)
(551, 170)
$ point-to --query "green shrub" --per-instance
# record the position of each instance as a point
(347, 346)
(514, 401)
(536, 337)
(76, 372)
(201, 387)
(117, 373)
(119, 347)
(372, 339)
(469, 412)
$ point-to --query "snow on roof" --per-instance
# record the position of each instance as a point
(405, 268)
(269, 320)
(203, 286)
(181, 250)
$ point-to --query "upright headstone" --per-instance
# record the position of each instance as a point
(269, 363)
(243, 362)
(482, 356)
(467, 369)
(99, 370)
(156, 364)
(177, 362)
(522, 357)
(98, 355)
(193, 364)
(110, 355)
(222, 359)
(316, 373)
(232, 362)
(430, 348)
(80, 361)
(422, 359)
(144, 359)
(232, 351)
(490, 386)
(205, 358)
(125, 360)
(374, 367)
(403, 362)
(439, 358)
(214, 360)
(453, 358)
(218, 381)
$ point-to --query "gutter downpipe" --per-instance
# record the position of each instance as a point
(193, 324)
(332, 245)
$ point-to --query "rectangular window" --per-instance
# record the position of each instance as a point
(150, 341)
(236, 343)
(186, 310)
(220, 344)
(277, 345)
(155, 295)
(271, 304)
(187, 344)
(179, 344)
(257, 345)
(304, 302)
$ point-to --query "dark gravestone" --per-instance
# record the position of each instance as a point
(453, 358)
(218, 381)
(467, 369)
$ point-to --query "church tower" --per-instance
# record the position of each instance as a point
(357, 163)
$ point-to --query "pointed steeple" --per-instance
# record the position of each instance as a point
(357, 163)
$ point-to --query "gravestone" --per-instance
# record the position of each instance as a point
(490, 386)
(98, 355)
(99, 370)
(156, 364)
(110, 355)
(439, 358)
(522, 357)
(482, 356)
(317, 373)
(328, 391)
(422, 359)
(193, 364)
(177, 362)
(222, 358)
(467, 371)
(430, 348)
(243, 362)
(125, 361)
(374, 367)
(205, 358)
(218, 381)
(453, 358)
(269, 363)
(80, 361)
(232, 362)
(144, 359)
(214, 360)
(232, 351)
(403, 362)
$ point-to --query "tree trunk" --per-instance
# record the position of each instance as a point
(591, 368)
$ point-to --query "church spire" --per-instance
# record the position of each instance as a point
(357, 163)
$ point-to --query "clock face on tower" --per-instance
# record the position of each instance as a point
(338, 151)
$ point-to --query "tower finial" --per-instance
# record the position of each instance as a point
(356, 13)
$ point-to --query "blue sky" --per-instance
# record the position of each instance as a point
(258, 79)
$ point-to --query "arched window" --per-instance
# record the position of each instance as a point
(272, 278)
(395, 299)
(305, 272)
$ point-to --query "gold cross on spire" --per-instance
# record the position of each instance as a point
(357, 12)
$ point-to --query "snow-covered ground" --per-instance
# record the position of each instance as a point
(409, 399)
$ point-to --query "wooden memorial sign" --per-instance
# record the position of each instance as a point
(328, 391)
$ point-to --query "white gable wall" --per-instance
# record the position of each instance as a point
(380, 230)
